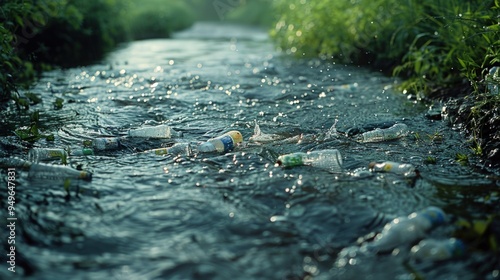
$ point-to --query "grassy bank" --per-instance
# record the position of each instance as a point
(441, 48)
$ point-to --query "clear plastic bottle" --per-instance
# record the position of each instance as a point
(396, 131)
(405, 169)
(82, 152)
(15, 162)
(404, 230)
(47, 154)
(160, 131)
(176, 149)
(56, 172)
(224, 143)
(102, 144)
(437, 250)
(44, 170)
(329, 159)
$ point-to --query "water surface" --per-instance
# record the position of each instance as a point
(235, 215)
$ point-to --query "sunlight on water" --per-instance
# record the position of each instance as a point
(221, 216)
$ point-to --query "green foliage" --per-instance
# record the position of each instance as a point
(36, 35)
(157, 18)
(463, 159)
(252, 12)
(432, 43)
(31, 133)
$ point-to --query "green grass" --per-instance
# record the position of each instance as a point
(433, 44)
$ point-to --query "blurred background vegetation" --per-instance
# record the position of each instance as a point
(435, 45)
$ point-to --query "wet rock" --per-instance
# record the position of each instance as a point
(479, 118)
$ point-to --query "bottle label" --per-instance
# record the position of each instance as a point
(162, 151)
(228, 143)
(55, 154)
(291, 160)
(387, 167)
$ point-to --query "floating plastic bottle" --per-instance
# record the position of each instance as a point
(44, 170)
(438, 250)
(47, 154)
(160, 131)
(405, 169)
(224, 143)
(176, 149)
(396, 131)
(82, 152)
(55, 172)
(493, 80)
(324, 159)
(15, 162)
(102, 144)
(404, 230)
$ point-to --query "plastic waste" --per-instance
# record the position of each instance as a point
(325, 159)
(260, 137)
(396, 131)
(47, 154)
(45, 171)
(405, 169)
(437, 250)
(176, 149)
(346, 87)
(404, 230)
(82, 152)
(102, 144)
(55, 172)
(15, 162)
(160, 131)
(493, 80)
(368, 127)
(224, 143)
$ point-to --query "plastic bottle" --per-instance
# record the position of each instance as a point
(55, 172)
(160, 131)
(405, 169)
(102, 144)
(438, 250)
(404, 230)
(15, 162)
(176, 149)
(47, 154)
(324, 159)
(82, 152)
(396, 131)
(224, 143)
(493, 80)
(45, 171)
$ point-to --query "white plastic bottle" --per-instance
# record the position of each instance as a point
(437, 250)
(405, 169)
(224, 143)
(47, 154)
(104, 143)
(404, 230)
(56, 172)
(160, 131)
(329, 159)
(396, 131)
(45, 171)
(176, 149)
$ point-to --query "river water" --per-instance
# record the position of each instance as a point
(236, 215)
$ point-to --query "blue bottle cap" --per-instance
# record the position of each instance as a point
(458, 247)
(435, 215)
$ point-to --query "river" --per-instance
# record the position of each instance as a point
(236, 215)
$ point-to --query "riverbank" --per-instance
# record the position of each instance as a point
(443, 50)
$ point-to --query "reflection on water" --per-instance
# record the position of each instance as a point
(234, 215)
